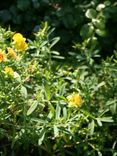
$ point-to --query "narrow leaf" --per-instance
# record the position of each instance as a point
(99, 122)
(58, 111)
(23, 91)
(54, 41)
(65, 112)
(32, 108)
(41, 138)
(91, 127)
(56, 131)
(106, 119)
(62, 89)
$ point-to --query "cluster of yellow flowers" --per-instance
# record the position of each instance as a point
(74, 100)
(2, 56)
(9, 71)
(11, 53)
(20, 44)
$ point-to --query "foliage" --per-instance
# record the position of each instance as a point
(35, 95)
(75, 21)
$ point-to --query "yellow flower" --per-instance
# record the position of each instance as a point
(20, 42)
(74, 100)
(2, 56)
(9, 71)
(11, 53)
(17, 37)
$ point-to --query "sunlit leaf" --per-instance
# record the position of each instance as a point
(23, 91)
(56, 131)
(41, 136)
(58, 111)
(91, 13)
(32, 107)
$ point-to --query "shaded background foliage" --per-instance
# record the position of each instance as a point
(67, 16)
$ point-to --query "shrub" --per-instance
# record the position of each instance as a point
(53, 107)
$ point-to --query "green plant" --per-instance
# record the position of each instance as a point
(35, 117)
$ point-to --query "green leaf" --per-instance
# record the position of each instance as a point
(41, 136)
(99, 122)
(101, 33)
(99, 153)
(99, 85)
(87, 31)
(23, 92)
(111, 102)
(106, 119)
(103, 112)
(58, 111)
(47, 90)
(32, 108)
(107, 3)
(17, 77)
(55, 52)
(100, 7)
(94, 40)
(54, 41)
(56, 131)
(58, 57)
(91, 127)
(51, 108)
(113, 108)
(43, 44)
(50, 115)
(39, 121)
(62, 90)
(99, 23)
(65, 112)
(114, 145)
(91, 13)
